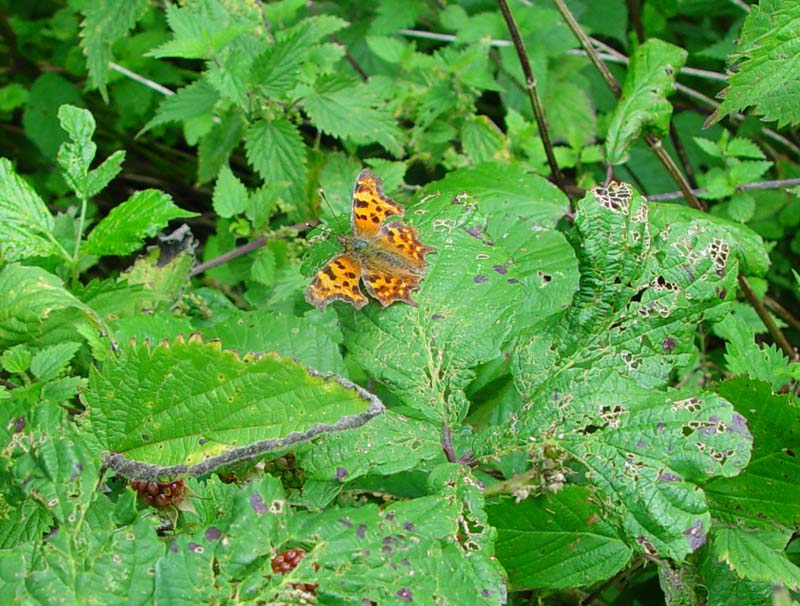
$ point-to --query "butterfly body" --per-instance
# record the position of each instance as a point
(388, 258)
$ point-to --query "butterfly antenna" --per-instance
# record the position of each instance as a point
(322, 195)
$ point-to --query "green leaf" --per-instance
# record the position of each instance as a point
(28, 295)
(191, 101)
(216, 147)
(482, 140)
(26, 224)
(101, 176)
(765, 494)
(276, 150)
(766, 65)
(200, 30)
(643, 105)
(556, 543)
(745, 357)
(276, 70)
(724, 586)
(593, 382)
(124, 229)
(48, 363)
(49, 92)
(105, 23)
(756, 555)
(16, 359)
(346, 109)
(212, 407)
(230, 195)
(75, 156)
(287, 335)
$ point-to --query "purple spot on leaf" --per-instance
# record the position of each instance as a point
(405, 594)
(213, 533)
(362, 530)
(389, 516)
(345, 522)
(405, 562)
(640, 444)
(410, 527)
(437, 317)
(173, 547)
(480, 278)
(513, 281)
(19, 424)
(386, 549)
(696, 535)
(474, 232)
(341, 473)
(501, 269)
(194, 547)
(257, 503)
(367, 601)
(661, 427)
(738, 424)
(485, 593)
(665, 476)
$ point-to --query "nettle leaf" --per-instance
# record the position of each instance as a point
(26, 225)
(276, 150)
(593, 379)
(643, 105)
(215, 148)
(191, 101)
(106, 22)
(230, 194)
(346, 108)
(757, 555)
(200, 29)
(557, 543)
(287, 335)
(276, 70)
(124, 229)
(766, 493)
(28, 296)
(190, 407)
(767, 64)
(48, 363)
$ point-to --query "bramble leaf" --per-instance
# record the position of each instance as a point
(126, 226)
(557, 543)
(643, 105)
(189, 407)
(26, 224)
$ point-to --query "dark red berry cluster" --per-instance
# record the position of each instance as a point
(160, 495)
(288, 560)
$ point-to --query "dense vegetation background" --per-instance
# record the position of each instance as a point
(594, 400)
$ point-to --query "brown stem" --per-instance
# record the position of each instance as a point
(350, 59)
(675, 172)
(245, 248)
(766, 318)
(533, 95)
(682, 155)
(757, 185)
(635, 12)
(783, 313)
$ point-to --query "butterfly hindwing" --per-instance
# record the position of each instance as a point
(337, 281)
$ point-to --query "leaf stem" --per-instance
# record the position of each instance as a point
(533, 95)
(246, 248)
(766, 318)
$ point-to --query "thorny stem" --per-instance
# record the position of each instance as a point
(677, 175)
(245, 248)
(533, 95)
(450, 452)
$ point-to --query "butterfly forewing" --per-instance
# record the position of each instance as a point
(370, 206)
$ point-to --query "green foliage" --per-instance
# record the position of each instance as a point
(766, 64)
(578, 389)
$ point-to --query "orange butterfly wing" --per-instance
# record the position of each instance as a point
(370, 206)
(337, 281)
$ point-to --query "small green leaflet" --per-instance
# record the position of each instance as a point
(188, 407)
(644, 105)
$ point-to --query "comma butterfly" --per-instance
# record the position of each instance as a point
(387, 257)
